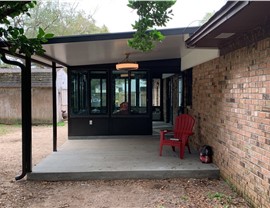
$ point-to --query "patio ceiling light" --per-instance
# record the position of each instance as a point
(126, 64)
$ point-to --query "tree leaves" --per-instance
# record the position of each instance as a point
(59, 18)
(48, 35)
(41, 33)
(151, 14)
(13, 36)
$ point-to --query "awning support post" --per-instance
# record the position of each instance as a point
(26, 108)
(54, 77)
(27, 115)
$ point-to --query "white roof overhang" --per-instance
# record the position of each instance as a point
(110, 48)
(95, 49)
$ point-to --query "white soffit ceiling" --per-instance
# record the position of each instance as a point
(111, 51)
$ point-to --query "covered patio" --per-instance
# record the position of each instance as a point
(120, 157)
(80, 159)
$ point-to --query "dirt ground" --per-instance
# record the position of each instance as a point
(189, 193)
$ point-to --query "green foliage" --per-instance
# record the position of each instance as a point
(151, 14)
(19, 23)
(184, 198)
(216, 195)
(5, 129)
(14, 36)
(226, 200)
(58, 18)
(61, 123)
(232, 186)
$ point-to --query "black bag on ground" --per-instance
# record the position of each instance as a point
(206, 154)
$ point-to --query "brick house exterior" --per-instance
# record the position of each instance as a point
(230, 97)
(231, 104)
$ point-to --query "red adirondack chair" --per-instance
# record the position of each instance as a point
(182, 130)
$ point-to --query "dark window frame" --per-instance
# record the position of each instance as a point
(187, 88)
(82, 111)
(100, 75)
(128, 91)
(88, 72)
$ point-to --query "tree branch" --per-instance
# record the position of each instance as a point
(5, 11)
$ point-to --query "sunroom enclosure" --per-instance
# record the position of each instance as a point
(97, 95)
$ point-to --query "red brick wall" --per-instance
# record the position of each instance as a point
(231, 103)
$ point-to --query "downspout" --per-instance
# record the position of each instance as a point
(26, 109)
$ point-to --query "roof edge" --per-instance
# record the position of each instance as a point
(109, 36)
(118, 35)
(221, 16)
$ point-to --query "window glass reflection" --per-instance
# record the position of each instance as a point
(120, 92)
(130, 92)
(98, 92)
(138, 92)
(79, 93)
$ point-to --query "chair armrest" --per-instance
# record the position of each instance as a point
(165, 131)
(174, 139)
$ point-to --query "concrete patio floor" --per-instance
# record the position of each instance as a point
(119, 157)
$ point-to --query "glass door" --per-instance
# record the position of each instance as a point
(98, 92)
(129, 93)
(120, 92)
(138, 95)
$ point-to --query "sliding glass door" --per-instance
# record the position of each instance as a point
(130, 92)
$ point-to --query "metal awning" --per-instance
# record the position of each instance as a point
(110, 48)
